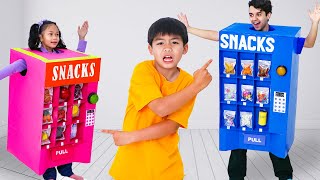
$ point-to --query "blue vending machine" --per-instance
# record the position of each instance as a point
(258, 87)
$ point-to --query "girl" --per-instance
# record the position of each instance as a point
(47, 35)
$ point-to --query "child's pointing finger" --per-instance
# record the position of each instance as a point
(108, 131)
(207, 64)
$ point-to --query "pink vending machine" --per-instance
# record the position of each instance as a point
(52, 108)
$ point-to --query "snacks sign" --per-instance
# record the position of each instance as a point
(72, 72)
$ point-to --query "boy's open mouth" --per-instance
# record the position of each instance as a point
(167, 59)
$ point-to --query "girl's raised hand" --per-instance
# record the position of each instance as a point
(83, 30)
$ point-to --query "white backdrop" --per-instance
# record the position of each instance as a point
(11, 28)
(118, 34)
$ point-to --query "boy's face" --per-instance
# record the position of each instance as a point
(259, 19)
(50, 37)
(167, 51)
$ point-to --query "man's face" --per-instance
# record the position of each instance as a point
(259, 19)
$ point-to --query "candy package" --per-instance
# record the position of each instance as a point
(246, 119)
(262, 95)
(229, 117)
(246, 92)
(230, 92)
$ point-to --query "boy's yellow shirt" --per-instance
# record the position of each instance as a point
(154, 159)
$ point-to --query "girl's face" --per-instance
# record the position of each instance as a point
(49, 37)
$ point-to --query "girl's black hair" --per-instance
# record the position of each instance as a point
(36, 30)
(264, 5)
(169, 26)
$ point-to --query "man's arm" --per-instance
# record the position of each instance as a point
(312, 36)
(206, 34)
(171, 103)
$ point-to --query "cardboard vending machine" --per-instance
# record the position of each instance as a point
(52, 108)
(258, 87)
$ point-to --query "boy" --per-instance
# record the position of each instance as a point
(161, 98)
(259, 15)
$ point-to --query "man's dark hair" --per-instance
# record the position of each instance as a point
(168, 26)
(264, 5)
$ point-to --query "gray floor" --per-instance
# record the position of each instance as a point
(199, 150)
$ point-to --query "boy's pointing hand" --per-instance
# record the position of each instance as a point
(202, 77)
(120, 138)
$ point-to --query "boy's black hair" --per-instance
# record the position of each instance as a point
(36, 30)
(264, 5)
(168, 26)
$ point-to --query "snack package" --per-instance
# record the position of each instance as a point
(246, 119)
(246, 93)
(73, 131)
(45, 139)
(48, 94)
(64, 93)
(78, 91)
(262, 95)
(47, 116)
(75, 110)
(230, 92)
(229, 117)
(229, 65)
(264, 68)
(247, 67)
(62, 113)
(60, 133)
